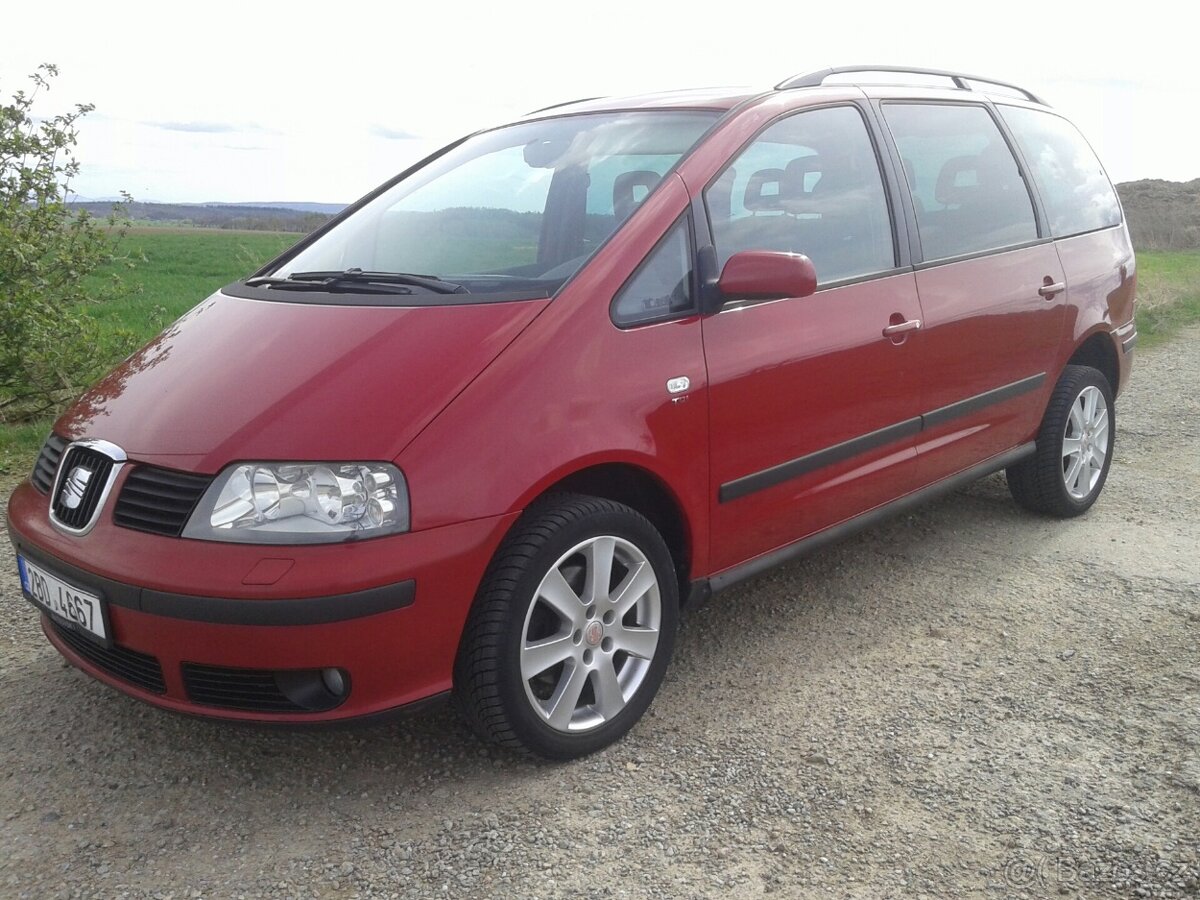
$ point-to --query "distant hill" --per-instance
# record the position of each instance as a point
(328, 209)
(1163, 215)
(298, 217)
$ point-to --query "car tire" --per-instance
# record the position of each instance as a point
(1067, 471)
(572, 630)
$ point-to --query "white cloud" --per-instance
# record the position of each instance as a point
(393, 134)
(198, 127)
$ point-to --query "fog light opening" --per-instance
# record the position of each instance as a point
(315, 690)
(335, 682)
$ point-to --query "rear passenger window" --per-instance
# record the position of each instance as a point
(1077, 194)
(808, 184)
(965, 184)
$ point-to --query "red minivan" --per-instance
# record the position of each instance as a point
(489, 429)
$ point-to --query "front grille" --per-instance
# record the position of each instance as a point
(46, 466)
(159, 500)
(84, 492)
(138, 669)
(258, 690)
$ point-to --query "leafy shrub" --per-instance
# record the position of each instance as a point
(49, 347)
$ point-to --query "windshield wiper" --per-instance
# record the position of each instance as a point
(386, 280)
(288, 284)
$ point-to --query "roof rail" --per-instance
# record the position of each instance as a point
(814, 79)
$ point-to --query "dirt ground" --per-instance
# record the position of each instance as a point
(968, 701)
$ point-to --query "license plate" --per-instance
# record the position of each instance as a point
(83, 611)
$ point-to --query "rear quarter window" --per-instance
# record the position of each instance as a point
(1074, 187)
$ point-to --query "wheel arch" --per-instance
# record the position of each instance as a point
(640, 489)
(1099, 351)
(638, 486)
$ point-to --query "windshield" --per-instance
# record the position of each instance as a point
(518, 208)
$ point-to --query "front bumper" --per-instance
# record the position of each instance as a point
(387, 612)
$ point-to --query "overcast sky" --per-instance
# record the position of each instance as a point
(257, 101)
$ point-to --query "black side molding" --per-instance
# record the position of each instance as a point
(828, 456)
(222, 611)
(802, 465)
(807, 545)
(945, 414)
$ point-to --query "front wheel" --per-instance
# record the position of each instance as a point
(1066, 473)
(573, 629)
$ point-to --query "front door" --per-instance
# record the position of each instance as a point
(813, 408)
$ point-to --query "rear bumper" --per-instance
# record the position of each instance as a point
(184, 607)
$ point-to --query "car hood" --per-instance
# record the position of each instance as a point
(241, 379)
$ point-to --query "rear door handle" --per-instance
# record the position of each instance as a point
(902, 328)
(1051, 288)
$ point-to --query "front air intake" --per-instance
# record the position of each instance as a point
(159, 500)
(46, 466)
(139, 669)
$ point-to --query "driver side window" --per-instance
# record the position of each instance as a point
(808, 184)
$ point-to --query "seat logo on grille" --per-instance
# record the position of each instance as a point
(77, 482)
(87, 471)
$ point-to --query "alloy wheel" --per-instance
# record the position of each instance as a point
(590, 634)
(1085, 442)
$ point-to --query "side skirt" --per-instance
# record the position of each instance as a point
(701, 589)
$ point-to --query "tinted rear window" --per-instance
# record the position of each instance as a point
(1075, 190)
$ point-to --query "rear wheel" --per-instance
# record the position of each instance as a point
(573, 629)
(1074, 447)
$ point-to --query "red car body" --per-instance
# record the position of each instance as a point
(802, 419)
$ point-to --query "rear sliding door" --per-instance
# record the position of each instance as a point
(992, 289)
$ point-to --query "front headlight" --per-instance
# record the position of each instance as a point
(301, 503)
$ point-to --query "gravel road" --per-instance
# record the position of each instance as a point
(966, 702)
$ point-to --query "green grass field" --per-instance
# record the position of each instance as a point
(1168, 293)
(176, 269)
(182, 266)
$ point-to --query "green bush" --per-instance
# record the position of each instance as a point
(49, 347)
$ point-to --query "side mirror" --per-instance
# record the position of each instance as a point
(766, 275)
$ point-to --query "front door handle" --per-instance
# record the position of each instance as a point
(1050, 288)
(902, 328)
